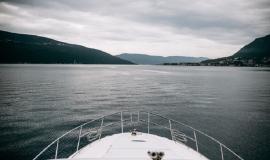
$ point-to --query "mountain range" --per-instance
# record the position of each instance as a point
(148, 59)
(255, 53)
(258, 49)
(22, 48)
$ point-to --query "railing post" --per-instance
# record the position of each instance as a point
(195, 137)
(78, 144)
(101, 125)
(171, 129)
(122, 128)
(56, 149)
(221, 151)
(138, 116)
(148, 121)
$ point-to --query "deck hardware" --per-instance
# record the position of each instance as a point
(134, 132)
(156, 155)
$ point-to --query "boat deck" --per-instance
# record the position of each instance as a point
(130, 147)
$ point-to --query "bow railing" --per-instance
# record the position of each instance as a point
(72, 141)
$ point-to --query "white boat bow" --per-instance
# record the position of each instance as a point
(113, 137)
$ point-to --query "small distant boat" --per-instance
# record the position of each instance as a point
(135, 136)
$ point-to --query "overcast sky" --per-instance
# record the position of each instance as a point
(211, 28)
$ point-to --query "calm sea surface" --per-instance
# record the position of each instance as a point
(38, 103)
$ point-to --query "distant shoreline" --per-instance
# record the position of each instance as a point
(214, 65)
(178, 65)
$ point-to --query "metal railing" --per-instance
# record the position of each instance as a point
(143, 121)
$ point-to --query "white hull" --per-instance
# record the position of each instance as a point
(126, 146)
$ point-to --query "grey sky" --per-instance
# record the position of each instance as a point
(212, 28)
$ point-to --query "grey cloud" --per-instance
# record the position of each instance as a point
(229, 23)
(174, 13)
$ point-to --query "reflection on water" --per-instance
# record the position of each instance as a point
(40, 102)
